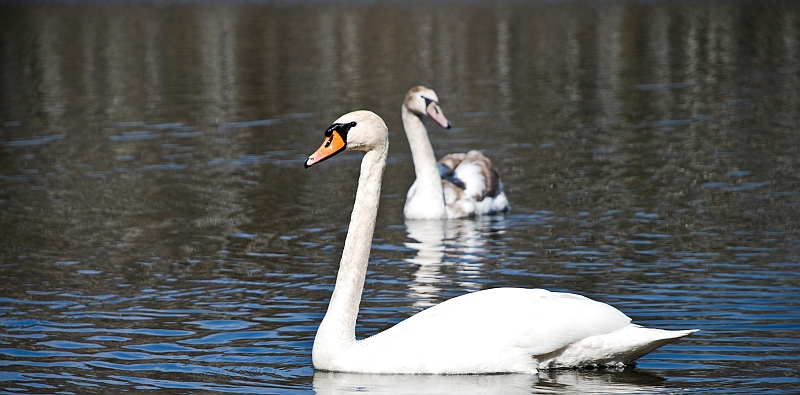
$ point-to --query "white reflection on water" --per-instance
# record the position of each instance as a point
(562, 382)
(351, 383)
(458, 243)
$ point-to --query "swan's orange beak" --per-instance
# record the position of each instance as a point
(333, 145)
(437, 115)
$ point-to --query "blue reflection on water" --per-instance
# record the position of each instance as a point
(267, 349)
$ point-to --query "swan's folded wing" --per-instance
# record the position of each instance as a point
(473, 172)
(530, 321)
(448, 164)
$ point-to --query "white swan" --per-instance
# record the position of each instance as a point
(491, 331)
(459, 185)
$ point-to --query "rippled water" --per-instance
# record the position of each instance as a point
(158, 230)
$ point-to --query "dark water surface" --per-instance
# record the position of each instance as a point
(158, 230)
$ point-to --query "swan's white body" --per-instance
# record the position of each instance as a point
(498, 330)
(459, 185)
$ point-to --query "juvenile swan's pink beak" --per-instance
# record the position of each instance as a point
(435, 112)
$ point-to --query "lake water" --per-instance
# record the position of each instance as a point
(158, 230)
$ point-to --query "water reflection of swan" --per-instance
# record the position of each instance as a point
(501, 330)
(436, 241)
(562, 382)
(459, 185)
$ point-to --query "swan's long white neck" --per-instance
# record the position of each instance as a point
(429, 183)
(337, 330)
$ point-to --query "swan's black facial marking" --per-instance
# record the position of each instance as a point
(428, 102)
(342, 128)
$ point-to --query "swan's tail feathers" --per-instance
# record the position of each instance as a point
(652, 339)
(621, 347)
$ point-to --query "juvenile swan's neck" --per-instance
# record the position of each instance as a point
(429, 183)
(337, 330)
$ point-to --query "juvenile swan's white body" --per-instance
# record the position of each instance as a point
(459, 185)
(500, 330)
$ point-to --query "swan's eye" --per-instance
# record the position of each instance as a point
(344, 128)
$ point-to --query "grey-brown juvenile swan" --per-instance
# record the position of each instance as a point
(458, 185)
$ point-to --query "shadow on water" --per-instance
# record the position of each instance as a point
(158, 230)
